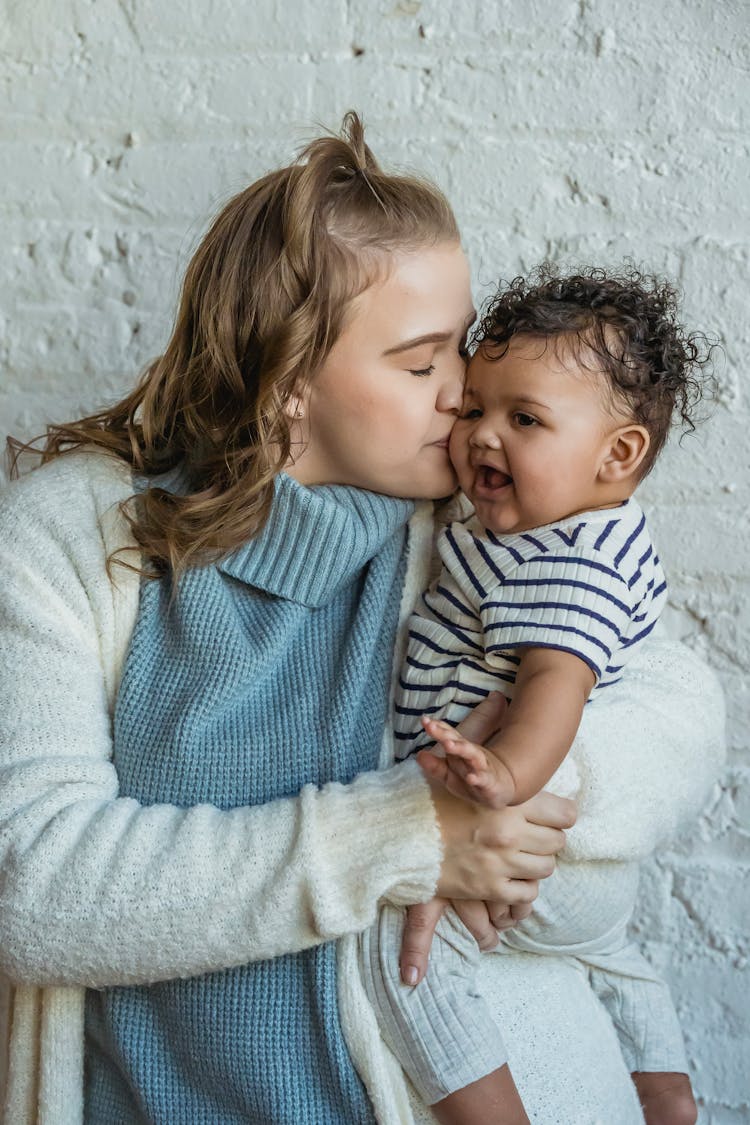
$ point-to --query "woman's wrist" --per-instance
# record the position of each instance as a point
(401, 840)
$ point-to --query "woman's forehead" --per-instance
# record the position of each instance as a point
(422, 293)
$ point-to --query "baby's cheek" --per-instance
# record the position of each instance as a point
(458, 448)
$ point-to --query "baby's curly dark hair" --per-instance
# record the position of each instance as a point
(626, 321)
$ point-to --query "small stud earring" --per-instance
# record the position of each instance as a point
(299, 414)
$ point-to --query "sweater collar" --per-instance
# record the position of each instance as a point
(316, 540)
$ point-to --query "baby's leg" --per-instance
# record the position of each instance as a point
(442, 1031)
(493, 1100)
(640, 1006)
(584, 911)
(666, 1098)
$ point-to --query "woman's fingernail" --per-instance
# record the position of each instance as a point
(411, 975)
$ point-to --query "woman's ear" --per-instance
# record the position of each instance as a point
(626, 449)
(295, 407)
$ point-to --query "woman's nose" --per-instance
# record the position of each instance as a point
(451, 393)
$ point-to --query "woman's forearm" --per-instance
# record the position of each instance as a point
(98, 890)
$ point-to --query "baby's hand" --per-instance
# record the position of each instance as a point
(467, 770)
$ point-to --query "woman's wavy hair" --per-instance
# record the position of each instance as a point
(264, 299)
(623, 325)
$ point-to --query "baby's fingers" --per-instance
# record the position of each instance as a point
(451, 740)
(471, 755)
(444, 771)
(434, 767)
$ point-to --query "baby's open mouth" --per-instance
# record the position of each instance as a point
(493, 478)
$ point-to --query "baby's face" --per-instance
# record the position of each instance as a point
(531, 436)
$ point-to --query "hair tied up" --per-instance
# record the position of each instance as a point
(264, 300)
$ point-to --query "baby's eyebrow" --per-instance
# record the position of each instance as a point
(534, 402)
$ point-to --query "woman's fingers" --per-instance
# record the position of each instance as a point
(475, 916)
(540, 840)
(521, 910)
(551, 811)
(416, 941)
(485, 851)
(504, 917)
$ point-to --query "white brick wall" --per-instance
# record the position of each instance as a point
(581, 129)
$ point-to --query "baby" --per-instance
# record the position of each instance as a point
(545, 593)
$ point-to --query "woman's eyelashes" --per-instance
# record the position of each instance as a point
(422, 371)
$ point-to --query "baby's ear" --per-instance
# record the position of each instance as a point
(627, 447)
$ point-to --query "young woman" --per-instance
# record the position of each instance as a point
(188, 820)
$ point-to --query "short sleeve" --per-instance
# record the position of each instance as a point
(571, 600)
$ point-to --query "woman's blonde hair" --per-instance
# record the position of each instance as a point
(263, 302)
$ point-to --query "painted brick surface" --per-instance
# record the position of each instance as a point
(584, 130)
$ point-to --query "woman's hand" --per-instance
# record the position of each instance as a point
(506, 852)
(495, 854)
(485, 921)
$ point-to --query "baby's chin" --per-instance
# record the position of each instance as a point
(491, 515)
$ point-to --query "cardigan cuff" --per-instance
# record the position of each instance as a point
(383, 837)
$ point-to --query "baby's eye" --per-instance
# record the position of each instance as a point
(524, 419)
(422, 371)
(471, 414)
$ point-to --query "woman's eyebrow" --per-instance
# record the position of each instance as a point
(428, 338)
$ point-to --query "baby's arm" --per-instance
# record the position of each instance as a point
(552, 687)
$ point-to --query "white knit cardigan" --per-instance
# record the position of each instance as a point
(96, 890)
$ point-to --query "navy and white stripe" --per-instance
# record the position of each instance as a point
(591, 585)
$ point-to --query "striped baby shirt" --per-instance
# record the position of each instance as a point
(590, 584)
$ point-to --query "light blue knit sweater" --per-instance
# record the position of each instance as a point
(270, 670)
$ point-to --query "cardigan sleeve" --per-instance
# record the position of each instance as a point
(648, 753)
(98, 890)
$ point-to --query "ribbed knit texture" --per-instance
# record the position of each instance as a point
(270, 670)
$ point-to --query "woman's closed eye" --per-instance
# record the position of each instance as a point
(422, 371)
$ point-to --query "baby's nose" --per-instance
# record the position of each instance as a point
(484, 437)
